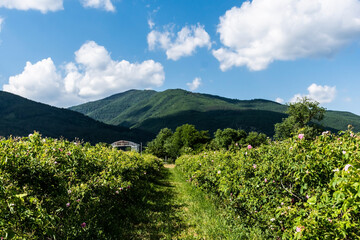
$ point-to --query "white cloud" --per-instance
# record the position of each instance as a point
(40, 82)
(93, 75)
(155, 38)
(151, 23)
(321, 94)
(279, 100)
(194, 84)
(185, 43)
(1, 22)
(262, 31)
(101, 4)
(41, 5)
(297, 97)
(97, 75)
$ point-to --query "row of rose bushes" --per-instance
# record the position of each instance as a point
(56, 189)
(298, 188)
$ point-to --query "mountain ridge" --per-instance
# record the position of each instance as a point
(20, 116)
(150, 110)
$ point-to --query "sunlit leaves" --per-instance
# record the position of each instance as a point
(310, 188)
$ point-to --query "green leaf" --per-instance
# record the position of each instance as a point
(312, 200)
(21, 195)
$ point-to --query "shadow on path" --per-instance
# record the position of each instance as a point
(160, 214)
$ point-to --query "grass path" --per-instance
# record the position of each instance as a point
(176, 210)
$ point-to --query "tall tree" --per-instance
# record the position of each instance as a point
(185, 138)
(224, 138)
(301, 114)
(171, 145)
(157, 146)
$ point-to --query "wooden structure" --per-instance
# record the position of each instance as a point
(124, 143)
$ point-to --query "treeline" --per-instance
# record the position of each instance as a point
(303, 117)
(187, 139)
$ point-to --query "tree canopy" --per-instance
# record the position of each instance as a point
(301, 115)
(187, 139)
(171, 145)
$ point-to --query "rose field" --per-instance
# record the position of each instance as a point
(298, 188)
(294, 189)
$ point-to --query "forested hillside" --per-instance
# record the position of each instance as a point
(20, 117)
(151, 111)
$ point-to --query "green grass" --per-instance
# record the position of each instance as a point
(159, 216)
(200, 213)
(175, 209)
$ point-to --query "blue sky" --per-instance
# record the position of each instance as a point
(66, 52)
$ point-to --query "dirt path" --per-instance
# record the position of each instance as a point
(169, 165)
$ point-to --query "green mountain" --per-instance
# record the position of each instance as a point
(150, 110)
(20, 116)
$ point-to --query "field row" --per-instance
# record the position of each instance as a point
(56, 189)
(292, 189)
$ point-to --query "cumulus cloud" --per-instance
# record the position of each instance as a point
(41, 5)
(93, 75)
(195, 84)
(40, 82)
(261, 31)
(183, 44)
(96, 74)
(101, 4)
(279, 100)
(321, 94)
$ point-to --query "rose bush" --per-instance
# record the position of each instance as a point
(293, 189)
(56, 189)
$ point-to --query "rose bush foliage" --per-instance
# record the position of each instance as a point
(56, 189)
(297, 188)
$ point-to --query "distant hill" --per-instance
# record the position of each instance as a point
(20, 116)
(151, 111)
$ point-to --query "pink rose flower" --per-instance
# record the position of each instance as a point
(299, 229)
(346, 168)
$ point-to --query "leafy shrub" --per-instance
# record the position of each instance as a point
(56, 189)
(289, 190)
